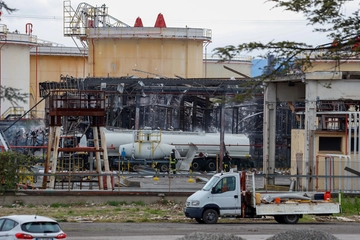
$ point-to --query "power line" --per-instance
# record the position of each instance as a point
(178, 21)
(33, 16)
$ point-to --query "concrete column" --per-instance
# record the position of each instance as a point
(105, 157)
(48, 154)
(269, 140)
(54, 157)
(137, 111)
(97, 156)
(310, 127)
(222, 135)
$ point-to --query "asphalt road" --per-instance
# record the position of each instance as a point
(171, 231)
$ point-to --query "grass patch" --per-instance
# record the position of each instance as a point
(163, 202)
(350, 205)
(144, 220)
(133, 209)
(154, 211)
(139, 203)
(137, 212)
(115, 203)
(58, 205)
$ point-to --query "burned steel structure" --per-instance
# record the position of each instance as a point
(195, 105)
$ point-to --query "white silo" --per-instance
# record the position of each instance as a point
(15, 67)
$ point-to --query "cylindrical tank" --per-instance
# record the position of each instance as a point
(115, 139)
(146, 150)
(15, 67)
(208, 144)
(146, 51)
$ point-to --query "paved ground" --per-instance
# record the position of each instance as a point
(174, 237)
(171, 231)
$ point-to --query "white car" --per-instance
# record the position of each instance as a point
(29, 227)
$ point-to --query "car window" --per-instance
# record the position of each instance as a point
(224, 185)
(41, 227)
(220, 186)
(230, 181)
(1, 222)
(8, 225)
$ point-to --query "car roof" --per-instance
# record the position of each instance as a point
(29, 218)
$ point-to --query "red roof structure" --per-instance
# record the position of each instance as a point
(138, 22)
(160, 21)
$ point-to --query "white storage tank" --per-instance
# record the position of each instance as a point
(15, 67)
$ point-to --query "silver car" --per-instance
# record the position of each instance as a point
(29, 227)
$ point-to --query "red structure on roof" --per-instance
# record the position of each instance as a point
(160, 21)
(138, 22)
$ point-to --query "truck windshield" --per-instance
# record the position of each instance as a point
(210, 183)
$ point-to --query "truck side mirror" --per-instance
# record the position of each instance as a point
(213, 190)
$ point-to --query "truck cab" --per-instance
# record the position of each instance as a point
(220, 196)
(234, 195)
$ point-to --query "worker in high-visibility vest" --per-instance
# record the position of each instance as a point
(173, 161)
(226, 162)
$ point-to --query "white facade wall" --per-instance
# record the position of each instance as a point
(15, 72)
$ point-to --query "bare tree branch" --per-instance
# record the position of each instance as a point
(8, 9)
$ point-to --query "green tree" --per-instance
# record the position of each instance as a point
(14, 169)
(327, 17)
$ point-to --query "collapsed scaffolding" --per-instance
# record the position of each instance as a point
(66, 109)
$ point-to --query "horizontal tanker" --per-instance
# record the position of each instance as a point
(154, 144)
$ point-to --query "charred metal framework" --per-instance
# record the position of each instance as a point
(67, 110)
(179, 104)
(185, 105)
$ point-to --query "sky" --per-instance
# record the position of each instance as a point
(232, 22)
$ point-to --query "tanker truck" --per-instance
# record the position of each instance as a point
(157, 145)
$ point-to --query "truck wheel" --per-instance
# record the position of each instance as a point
(279, 218)
(196, 166)
(210, 165)
(210, 216)
(163, 167)
(291, 219)
(199, 220)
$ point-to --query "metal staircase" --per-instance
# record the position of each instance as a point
(76, 22)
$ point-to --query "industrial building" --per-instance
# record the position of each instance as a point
(158, 77)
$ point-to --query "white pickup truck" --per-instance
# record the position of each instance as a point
(234, 195)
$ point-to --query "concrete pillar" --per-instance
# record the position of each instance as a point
(105, 157)
(269, 140)
(48, 154)
(137, 111)
(97, 156)
(310, 127)
(56, 143)
(222, 135)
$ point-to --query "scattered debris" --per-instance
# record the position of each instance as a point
(201, 179)
(210, 236)
(303, 234)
